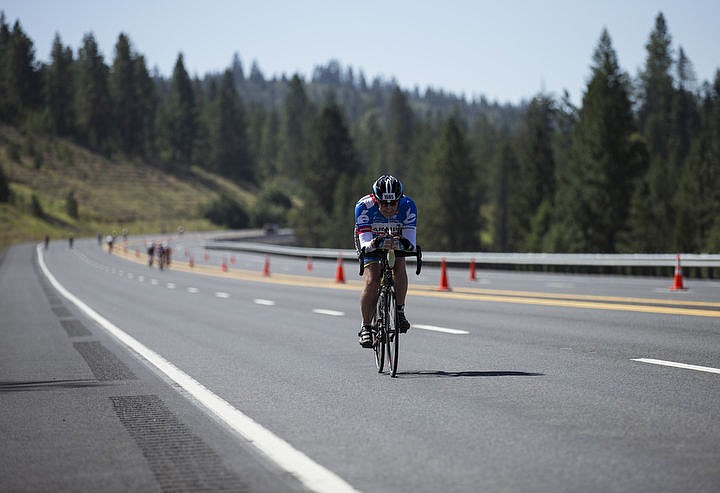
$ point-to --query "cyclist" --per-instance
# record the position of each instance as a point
(387, 211)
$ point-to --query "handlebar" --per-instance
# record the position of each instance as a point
(398, 253)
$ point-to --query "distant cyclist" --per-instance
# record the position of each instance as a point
(387, 211)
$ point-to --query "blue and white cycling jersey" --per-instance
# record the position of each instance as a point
(369, 221)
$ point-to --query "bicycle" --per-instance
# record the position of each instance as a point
(385, 330)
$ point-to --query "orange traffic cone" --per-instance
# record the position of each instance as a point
(223, 266)
(266, 268)
(191, 263)
(309, 266)
(339, 272)
(678, 281)
(472, 270)
(443, 276)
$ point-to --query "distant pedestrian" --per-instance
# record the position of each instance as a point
(160, 252)
(151, 253)
(109, 240)
(47, 241)
(71, 240)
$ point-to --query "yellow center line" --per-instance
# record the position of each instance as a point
(590, 297)
(596, 305)
(594, 302)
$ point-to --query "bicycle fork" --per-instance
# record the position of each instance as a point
(380, 318)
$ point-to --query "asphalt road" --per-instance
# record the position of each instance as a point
(195, 377)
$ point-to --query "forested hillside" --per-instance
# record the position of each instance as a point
(635, 168)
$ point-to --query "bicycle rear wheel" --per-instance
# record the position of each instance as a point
(392, 332)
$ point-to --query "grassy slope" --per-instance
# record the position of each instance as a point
(112, 194)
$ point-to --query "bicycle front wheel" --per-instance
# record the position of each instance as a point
(378, 339)
(392, 332)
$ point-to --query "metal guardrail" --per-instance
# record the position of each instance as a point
(484, 258)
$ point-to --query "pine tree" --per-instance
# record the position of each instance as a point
(92, 98)
(71, 204)
(535, 180)
(399, 138)
(547, 232)
(59, 89)
(124, 97)
(4, 186)
(484, 141)
(651, 214)
(698, 197)
(237, 69)
(605, 158)
(656, 89)
(20, 77)
(684, 114)
(450, 194)
(256, 75)
(4, 41)
(370, 140)
(256, 115)
(332, 166)
(268, 145)
(228, 133)
(180, 125)
(507, 233)
(147, 105)
(483, 138)
(293, 131)
(647, 225)
(332, 150)
(670, 118)
(206, 102)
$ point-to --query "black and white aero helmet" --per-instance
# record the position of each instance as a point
(387, 188)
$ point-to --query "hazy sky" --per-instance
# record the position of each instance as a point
(505, 50)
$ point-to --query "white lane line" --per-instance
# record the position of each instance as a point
(153, 282)
(170, 285)
(314, 476)
(260, 301)
(332, 313)
(221, 294)
(444, 330)
(685, 366)
(193, 290)
(141, 278)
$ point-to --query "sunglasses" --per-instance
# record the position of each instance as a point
(389, 203)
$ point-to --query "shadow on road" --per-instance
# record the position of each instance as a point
(442, 373)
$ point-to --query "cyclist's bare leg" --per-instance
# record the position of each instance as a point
(401, 280)
(368, 297)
